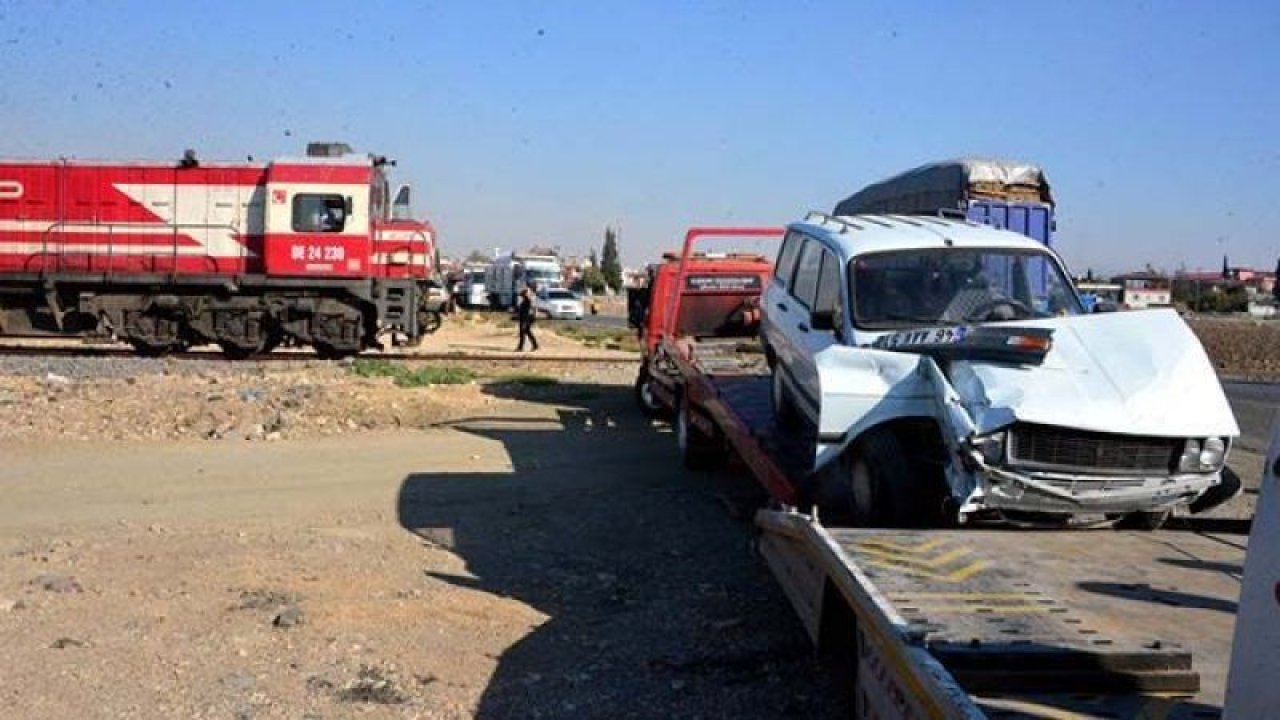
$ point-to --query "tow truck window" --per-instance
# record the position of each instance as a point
(785, 268)
(314, 213)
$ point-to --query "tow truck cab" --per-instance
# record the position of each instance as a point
(708, 295)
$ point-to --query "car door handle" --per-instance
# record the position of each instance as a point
(802, 327)
(782, 307)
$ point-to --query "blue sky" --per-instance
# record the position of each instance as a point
(526, 122)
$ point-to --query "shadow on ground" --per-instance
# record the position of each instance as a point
(658, 605)
(1142, 592)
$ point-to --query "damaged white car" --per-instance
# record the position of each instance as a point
(951, 374)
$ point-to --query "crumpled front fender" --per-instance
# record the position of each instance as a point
(862, 388)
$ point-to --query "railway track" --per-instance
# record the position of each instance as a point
(302, 356)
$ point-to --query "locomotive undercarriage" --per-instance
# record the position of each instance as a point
(246, 317)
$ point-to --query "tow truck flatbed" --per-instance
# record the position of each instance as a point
(995, 622)
(964, 623)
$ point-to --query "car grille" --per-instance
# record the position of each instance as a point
(1055, 448)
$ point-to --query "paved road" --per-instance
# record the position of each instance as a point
(606, 321)
(1257, 408)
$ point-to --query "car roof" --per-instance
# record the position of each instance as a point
(861, 234)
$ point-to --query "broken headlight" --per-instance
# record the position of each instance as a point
(1206, 456)
(991, 447)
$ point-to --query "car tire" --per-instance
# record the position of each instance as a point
(698, 450)
(784, 408)
(649, 403)
(880, 481)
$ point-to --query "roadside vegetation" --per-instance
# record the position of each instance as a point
(415, 377)
(599, 337)
(407, 377)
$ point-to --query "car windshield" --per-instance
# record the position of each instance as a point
(560, 295)
(951, 286)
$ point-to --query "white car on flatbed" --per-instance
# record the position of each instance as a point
(952, 373)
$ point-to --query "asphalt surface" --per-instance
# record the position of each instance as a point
(605, 321)
(1257, 409)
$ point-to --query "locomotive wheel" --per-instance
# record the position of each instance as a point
(233, 351)
(151, 349)
(429, 321)
(325, 351)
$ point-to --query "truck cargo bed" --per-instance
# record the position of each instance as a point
(1028, 624)
(1001, 623)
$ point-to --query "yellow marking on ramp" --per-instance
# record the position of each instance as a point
(927, 563)
(915, 549)
(958, 575)
(962, 596)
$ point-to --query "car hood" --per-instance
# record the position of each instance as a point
(1137, 373)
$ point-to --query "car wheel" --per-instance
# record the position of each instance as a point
(649, 403)
(880, 483)
(698, 450)
(784, 409)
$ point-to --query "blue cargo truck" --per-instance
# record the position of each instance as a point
(1005, 194)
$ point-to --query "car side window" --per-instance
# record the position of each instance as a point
(828, 296)
(805, 287)
(785, 268)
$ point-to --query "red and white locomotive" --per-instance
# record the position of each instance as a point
(310, 250)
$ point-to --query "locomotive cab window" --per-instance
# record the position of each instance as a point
(315, 213)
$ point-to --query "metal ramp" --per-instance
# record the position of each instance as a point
(1053, 624)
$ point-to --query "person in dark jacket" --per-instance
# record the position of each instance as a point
(525, 316)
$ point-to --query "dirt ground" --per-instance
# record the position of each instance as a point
(192, 538)
(507, 549)
(1241, 348)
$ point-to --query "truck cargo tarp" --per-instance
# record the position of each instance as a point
(950, 185)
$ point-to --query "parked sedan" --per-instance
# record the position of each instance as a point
(558, 303)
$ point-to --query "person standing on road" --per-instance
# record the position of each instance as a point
(525, 316)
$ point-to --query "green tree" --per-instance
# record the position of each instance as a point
(593, 280)
(477, 256)
(610, 264)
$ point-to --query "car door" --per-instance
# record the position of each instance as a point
(779, 305)
(816, 290)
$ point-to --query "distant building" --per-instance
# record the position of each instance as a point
(1257, 284)
(1143, 290)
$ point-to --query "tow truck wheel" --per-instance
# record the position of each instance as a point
(697, 449)
(784, 410)
(1153, 520)
(648, 402)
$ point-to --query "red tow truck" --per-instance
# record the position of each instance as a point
(955, 623)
